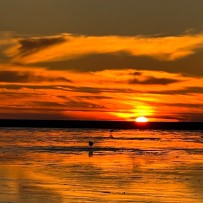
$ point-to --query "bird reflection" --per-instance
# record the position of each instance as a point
(91, 153)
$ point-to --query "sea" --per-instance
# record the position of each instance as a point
(58, 166)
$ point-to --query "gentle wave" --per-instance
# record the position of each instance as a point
(70, 149)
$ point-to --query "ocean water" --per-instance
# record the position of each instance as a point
(58, 166)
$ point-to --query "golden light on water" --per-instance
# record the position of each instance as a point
(141, 119)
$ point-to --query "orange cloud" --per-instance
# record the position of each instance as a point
(66, 46)
(29, 90)
(108, 94)
(18, 74)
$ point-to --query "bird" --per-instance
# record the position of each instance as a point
(91, 143)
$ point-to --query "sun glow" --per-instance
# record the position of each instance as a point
(141, 119)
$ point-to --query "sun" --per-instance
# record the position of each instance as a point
(141, 119)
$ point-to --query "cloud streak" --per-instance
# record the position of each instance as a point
(30, 46)
(153, 81)
(67, 46)
(28, 77)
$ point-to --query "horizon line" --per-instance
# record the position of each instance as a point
(36, 123)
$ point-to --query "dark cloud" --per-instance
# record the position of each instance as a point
(191, 116)
(67, 88)
(184, 117)
(189, 105)
(136, 73)
(18, 87)
(17, 95)
(25, 77)
(87, 89)
(188, 90)
(83, 104)
(69, 104)
(93, 90)
(153, 81)
(48, 104)
(56, 79)
(31, 45)
(96, 62)
(96, 91)
(94, 97)
(13, 76)
(34, 115)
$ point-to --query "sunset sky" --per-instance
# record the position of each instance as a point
(101, 60)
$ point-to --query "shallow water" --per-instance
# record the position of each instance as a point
(57, 165)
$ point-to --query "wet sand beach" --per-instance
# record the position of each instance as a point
(58, 165)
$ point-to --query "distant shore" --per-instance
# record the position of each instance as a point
(100, 124)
